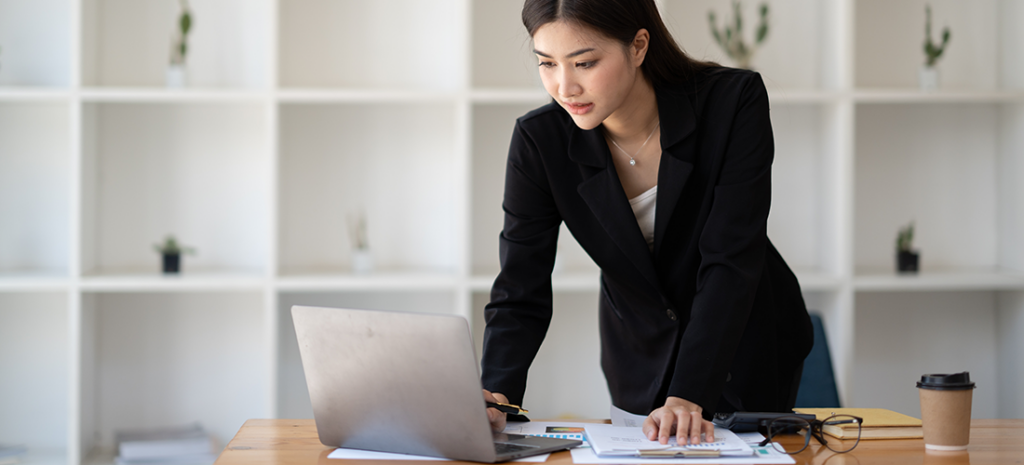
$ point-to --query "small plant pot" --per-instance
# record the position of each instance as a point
(907, 262)
(172, 263)
(176, 76)
(362, 261)
(928, 78)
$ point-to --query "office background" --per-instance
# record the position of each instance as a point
(285, 131)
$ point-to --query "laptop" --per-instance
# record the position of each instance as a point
(400, 382)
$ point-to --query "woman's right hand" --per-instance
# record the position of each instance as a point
(496, 416)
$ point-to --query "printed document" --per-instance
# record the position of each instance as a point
(630, 441)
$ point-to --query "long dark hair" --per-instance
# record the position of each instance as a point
(664, 64)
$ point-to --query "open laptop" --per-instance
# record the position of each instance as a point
(401, 382)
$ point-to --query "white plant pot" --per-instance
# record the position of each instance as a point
(362, 261)
(176, 76)
(928, 78)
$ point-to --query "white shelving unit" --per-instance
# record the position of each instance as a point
(301, 113)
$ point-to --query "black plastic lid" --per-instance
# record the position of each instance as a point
(952, 382)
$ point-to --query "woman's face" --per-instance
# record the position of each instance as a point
(587, 73)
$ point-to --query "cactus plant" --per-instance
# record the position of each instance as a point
(171, 252)
(179, 46)
(931, 51)
(905, 238)
(731, 39)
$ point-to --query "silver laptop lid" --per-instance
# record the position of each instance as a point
(394, 382)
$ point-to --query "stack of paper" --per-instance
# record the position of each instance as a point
(184, 445)
(10, 455)
(625, 441)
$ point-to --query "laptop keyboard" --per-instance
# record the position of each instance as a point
(508, 448)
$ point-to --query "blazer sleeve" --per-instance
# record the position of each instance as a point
(519, 312)
(732, 248)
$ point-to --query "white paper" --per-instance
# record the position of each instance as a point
(341, 453)
(627, 441)
(548, 429)
(762, 455)
(623, 418)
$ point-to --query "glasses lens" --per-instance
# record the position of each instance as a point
(789, 434)
(842, 432)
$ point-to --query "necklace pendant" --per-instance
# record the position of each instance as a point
(632, 162)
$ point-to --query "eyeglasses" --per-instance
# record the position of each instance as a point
(791, 435)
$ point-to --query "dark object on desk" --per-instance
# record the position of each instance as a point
(818, 383)
(746, 422)
(171, 262)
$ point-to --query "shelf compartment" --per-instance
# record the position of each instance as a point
(198, 171)
(890, 96)
(293, 394)
(565, 379)
(34, 362)
(332, 43)
(798, 54)
(889, 37)
(128, 43)
(395, 163)
(492, 131)
(502, 51)
(901, 336)
(168, 359)
(934, 165)
(35, 175)
(36, 40)
(806, 177)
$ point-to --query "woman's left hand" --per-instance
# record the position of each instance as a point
(680, 417)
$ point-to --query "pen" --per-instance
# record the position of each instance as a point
(508, 408)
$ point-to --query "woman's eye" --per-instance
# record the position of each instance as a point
(585, 64)
(546, 64)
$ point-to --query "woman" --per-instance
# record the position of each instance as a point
(660, 167)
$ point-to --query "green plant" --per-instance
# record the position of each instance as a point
(905, 238)
(731, 40)
(932, 52)
(179, 48)
(170, 247)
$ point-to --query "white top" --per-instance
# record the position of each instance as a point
(643, 208)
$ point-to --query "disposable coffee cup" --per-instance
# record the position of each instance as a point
(946, 410)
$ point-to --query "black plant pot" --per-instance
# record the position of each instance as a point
(172, 263)
(906, 262)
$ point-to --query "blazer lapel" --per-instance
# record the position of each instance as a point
(602, 192)
(677, 152)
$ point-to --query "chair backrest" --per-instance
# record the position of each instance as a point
(818, 383)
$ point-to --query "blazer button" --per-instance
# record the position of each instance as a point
(671, 314)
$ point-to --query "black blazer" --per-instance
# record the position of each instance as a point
(713, 314)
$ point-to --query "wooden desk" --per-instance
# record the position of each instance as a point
(295, 442)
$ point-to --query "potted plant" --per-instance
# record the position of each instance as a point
(928, 76)
(362, 260)
(179, 48)
(907, 260)
(731, 40)
(171, 252)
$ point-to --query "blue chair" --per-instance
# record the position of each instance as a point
(818, 383)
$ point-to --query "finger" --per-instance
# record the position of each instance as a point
(696, 421)
(489, 397)
(682, 427)
(665, 426)
(650, 427)
(709, 431)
